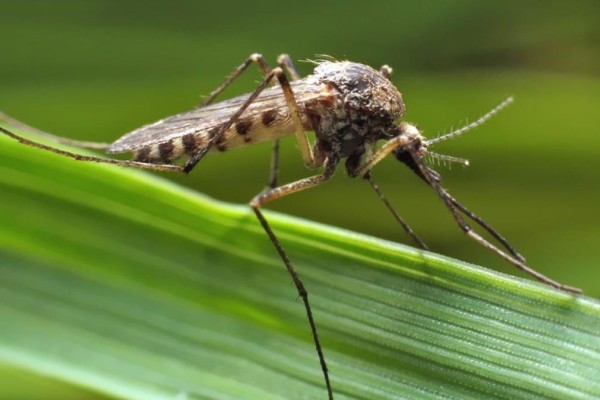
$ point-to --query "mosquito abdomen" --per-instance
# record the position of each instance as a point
(268, 125)
(169, 151)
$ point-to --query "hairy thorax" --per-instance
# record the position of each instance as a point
(360, 105)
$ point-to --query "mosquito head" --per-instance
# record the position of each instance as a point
(417, 147)
(412, 154)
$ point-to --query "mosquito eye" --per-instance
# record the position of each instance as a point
(402, 155)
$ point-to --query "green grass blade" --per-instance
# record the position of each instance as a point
(124, 283)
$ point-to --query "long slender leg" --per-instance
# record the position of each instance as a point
(265, 69)
(284, 61)
(446, 198)
(301, 136)
(407, 159)
(418, 241)
(410, 134)
(253, 58)
(80, 157)
(274, 170)
(276, 193)
(487, 227)
(303, 143)
(56, 139)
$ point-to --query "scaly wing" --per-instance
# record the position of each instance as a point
(202, 121)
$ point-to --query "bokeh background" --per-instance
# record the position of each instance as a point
(93, 70)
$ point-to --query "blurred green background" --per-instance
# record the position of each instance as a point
(94, 70)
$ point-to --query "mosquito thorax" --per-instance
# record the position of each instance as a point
(363, 105)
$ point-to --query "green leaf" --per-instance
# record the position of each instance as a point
(121, 282)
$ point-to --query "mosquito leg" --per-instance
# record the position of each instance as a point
(447, 199)
(305, 148)
(216, 136)
(487, 227)
(303, 143)
(56, 139)
(406, 158)
(401, 140)
(80, 157)
(285, 62)
(274, 170)
(257, 202)
(253, 58)
(418, 241)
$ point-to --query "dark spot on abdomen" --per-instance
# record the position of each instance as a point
(189, 142)
(268, 117)
(242, 127)
(143, 155)
(165, 150)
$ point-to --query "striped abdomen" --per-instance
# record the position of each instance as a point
(268, 125)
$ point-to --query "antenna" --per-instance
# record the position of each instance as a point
(473, 124)
(451, 159)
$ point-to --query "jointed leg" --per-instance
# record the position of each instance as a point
(487, 227)
(284, 61)
(80, 157)
(274, 170)
(290, 188)
(450, 204)
(408, 136)
(257, 58)
(303, 143)
(403, 140)
(409, 160)
(301, 136)
(275, 193)
(418, 241)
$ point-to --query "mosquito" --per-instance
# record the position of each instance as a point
(350, 107)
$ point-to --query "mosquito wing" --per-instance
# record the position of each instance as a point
(266, 118)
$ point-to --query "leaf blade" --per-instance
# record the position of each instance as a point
(183, 294)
